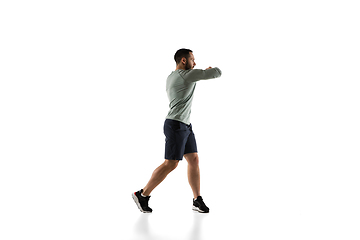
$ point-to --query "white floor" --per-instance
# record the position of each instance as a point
(248, 219)
(90, 206)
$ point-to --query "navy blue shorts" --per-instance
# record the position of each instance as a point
(180, 139)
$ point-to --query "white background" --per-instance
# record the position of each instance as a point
(83, 101)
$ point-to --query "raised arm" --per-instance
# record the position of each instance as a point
(194, 75)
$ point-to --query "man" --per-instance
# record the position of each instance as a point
(180, 139)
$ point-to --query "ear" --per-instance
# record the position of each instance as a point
(183, 60)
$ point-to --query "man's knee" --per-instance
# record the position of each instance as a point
(171, 164)
(192, 158)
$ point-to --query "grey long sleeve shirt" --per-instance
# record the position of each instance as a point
(180, 87)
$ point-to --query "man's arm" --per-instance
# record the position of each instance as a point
(194, 75)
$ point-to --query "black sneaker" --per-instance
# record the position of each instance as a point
(142, 202)
(199, 205)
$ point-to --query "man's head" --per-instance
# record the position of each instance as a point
(184, 59)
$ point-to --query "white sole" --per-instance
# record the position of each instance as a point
(197, 209)
(136, 200)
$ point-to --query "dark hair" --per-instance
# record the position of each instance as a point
(182, 53)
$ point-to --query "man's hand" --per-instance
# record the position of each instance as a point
(208, 68)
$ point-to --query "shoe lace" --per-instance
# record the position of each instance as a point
(201, 202)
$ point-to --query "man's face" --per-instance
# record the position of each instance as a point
(190, 62)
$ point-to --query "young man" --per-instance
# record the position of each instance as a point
(180, 139)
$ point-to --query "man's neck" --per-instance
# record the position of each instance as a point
(180, 67)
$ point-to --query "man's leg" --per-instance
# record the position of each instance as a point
(194, 181)
(193, 172)
(159, 175)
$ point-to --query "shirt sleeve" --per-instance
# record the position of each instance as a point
(195, 75)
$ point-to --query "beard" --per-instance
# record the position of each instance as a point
(188, 66)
